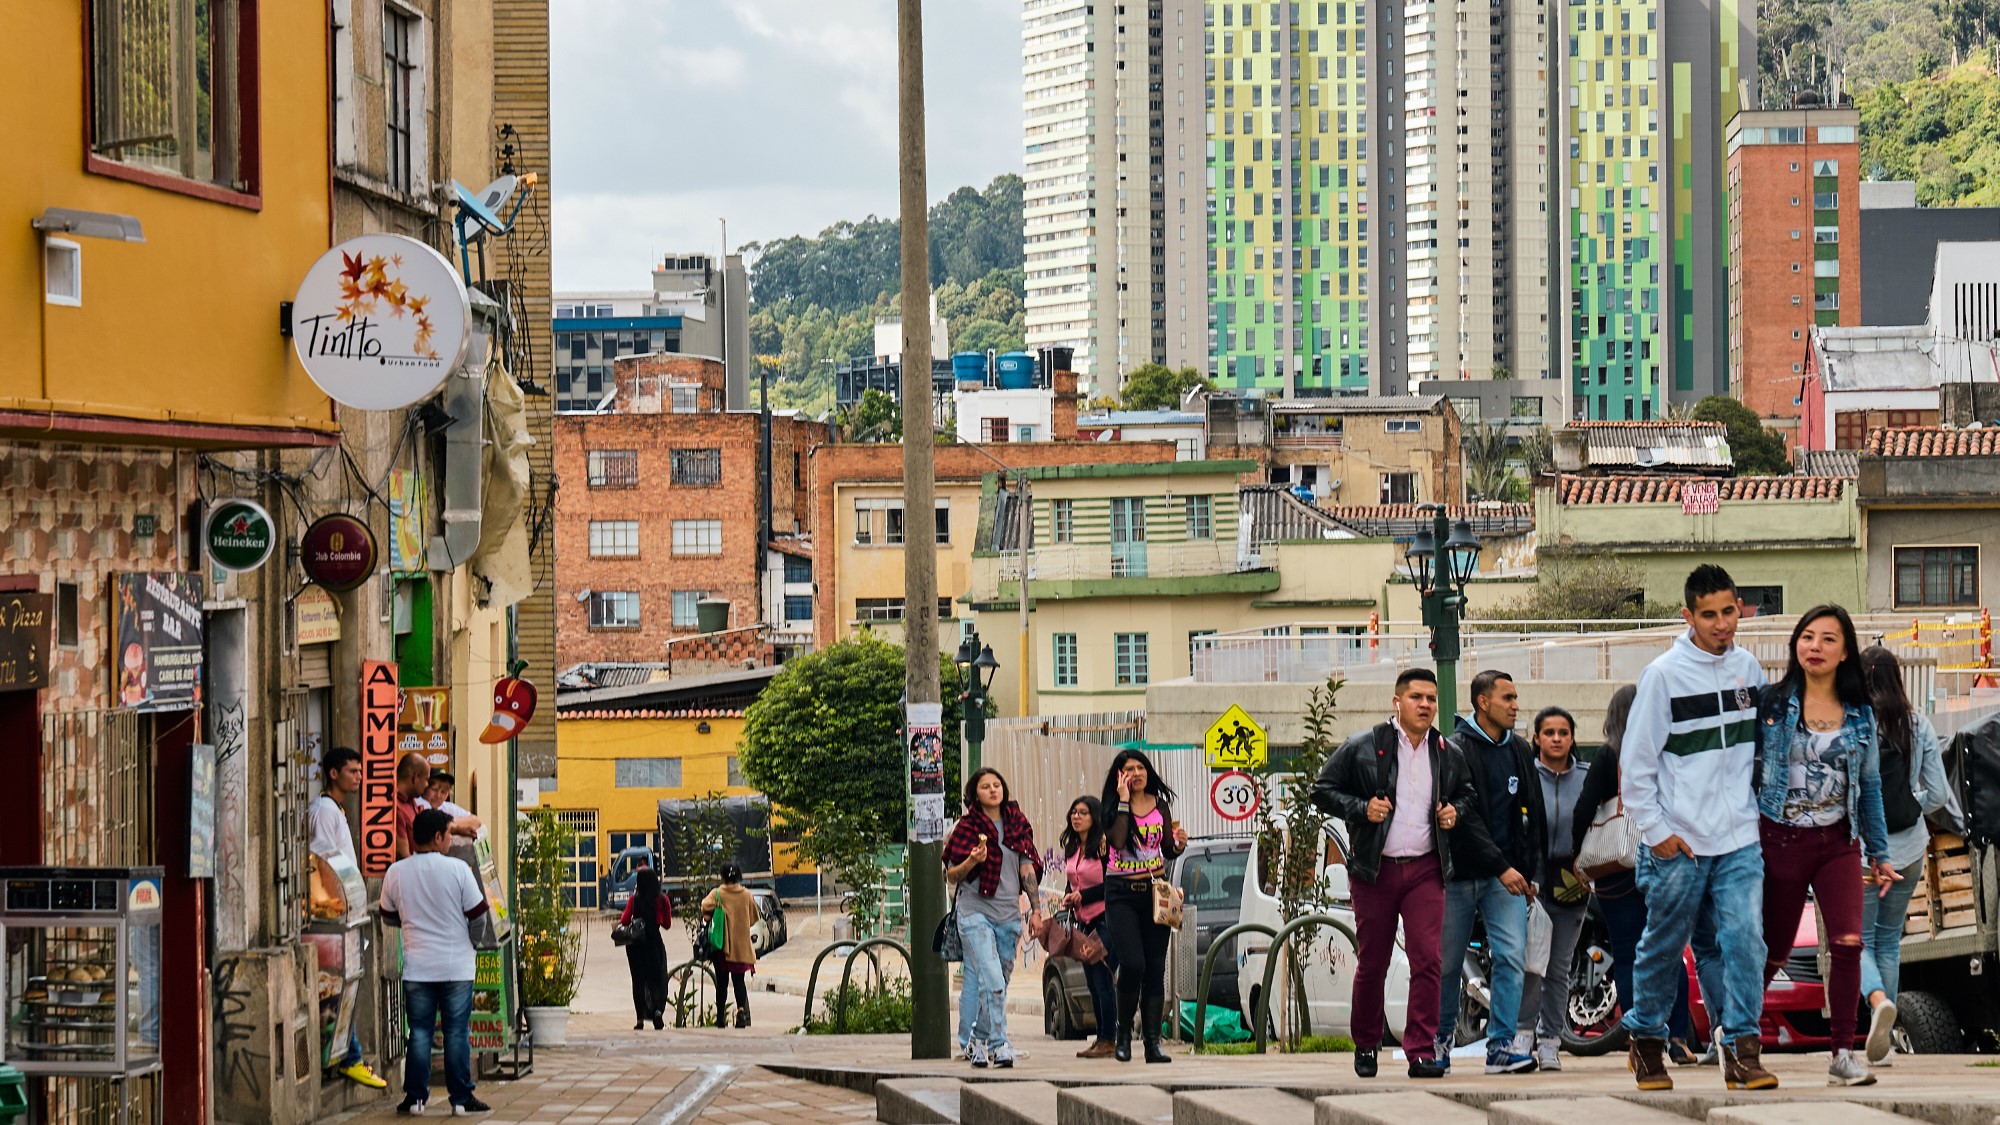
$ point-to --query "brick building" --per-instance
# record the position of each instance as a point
(661, 511)
(1794, 248)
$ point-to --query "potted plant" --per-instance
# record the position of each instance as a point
(550, 943)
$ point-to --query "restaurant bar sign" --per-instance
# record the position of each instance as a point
(238, 534)
(156, 642)
(27, 629)
(379, 321)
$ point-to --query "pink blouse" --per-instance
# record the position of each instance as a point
(1086, 873)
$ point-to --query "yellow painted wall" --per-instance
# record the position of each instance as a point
(193, 311)
(876, 570)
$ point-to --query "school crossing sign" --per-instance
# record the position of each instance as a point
(1235, 741)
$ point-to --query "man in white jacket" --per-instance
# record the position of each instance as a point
(1687, 756)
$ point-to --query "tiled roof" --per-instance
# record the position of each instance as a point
(647, 714)
(1651, 424)
(1828, 462)
(1667, 490)
(1933, 441)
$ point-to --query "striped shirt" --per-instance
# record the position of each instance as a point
(1690, 746)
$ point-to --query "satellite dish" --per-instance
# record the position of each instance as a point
(479, 212)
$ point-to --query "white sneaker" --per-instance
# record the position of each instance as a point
(977, 1054)
(1848, 1070)
(1003, 1057)
(1880, 1025)
(1546, 1054)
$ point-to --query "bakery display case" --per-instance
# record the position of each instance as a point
(82, 983)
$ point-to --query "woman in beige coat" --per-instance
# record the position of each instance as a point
(738, 956)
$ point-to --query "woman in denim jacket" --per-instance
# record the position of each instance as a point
(1819, 788)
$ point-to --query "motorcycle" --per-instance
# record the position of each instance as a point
(1592, 1027)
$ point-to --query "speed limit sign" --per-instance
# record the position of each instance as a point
(1233, 796)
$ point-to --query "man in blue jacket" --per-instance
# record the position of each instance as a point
(1689, 748)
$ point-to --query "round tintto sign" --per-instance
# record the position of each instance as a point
(379, 321)
(238, 534)
(339, 552)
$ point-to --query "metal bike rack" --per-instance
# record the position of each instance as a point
(1263, 1013)
(1208, 969)
(846, 974)
(687, 967)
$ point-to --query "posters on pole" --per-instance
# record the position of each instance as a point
(409, 521)
(380, 702)
(156, 645)
(926, 758)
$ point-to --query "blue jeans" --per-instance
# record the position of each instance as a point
(423, 1003)
(989, 963)
(1729, 889)
(353, 1055)
(1103, 982)
(1507, 947)
(1882, 933)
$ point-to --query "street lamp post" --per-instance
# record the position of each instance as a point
(976, 661)
(1440, 562)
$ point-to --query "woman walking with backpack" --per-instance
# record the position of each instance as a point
(1913, 783)
(1143, 837)
(737, 956)
(649, 913)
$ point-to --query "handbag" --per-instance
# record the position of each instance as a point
(946, 942)
(625, 933)
(1166, 904)
(1061, 938)
(1610, 845)
(718, 932)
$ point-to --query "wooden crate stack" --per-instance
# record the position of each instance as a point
(1944, 897)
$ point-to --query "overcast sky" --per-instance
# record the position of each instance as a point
(778, 115)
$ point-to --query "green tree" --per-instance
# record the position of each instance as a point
(823, 742)
(1489, 469)
(550, 943)
(877, 417)
(1594, 588)
(1756, 450)
(1153, 386)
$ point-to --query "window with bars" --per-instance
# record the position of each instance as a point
(173, 88)
(1937, 576)
(614, 468)
(614, 539)
(581, 889)
(891, 609)
(400, 43)
(992, 430)
(1200, 517)
(647, 773)
(1129, 661)
(614, 609)
(697, 466)
(697, 537)
(1065, 659)
(685, 614)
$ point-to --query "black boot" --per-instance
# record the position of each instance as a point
(1127, 1013)
(1150, 1029)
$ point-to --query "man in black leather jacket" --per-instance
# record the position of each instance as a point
(1399, 828)
(1495, 860)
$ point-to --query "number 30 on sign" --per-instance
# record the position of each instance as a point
(1233, 796)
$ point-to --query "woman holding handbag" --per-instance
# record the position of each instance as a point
(737, 956)
(1563, 898)
(1084, 854)
(1143, 837)
(990, 858)
(647, 914)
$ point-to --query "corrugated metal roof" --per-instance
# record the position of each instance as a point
(1933, 441)
(1828, 462)
(1668, 444)
(1274, 512)
(1667, 490)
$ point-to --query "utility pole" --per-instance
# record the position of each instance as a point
(1026, 665)
(930, 1027)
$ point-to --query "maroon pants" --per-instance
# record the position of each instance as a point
(1828, 861)
(1411, 889)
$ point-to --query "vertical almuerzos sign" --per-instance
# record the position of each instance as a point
(380, 701)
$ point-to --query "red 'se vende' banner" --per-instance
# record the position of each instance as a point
(380, 702)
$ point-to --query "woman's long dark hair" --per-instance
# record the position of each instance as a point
(1616, 713)
(1848, 682)
(646, 895)
(1091, 842)
(1884, 674)
(1159, 789)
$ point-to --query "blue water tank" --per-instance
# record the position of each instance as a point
(1017, 371)
(968, 367)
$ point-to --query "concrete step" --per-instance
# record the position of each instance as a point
(1400, 1107)
(1007, 1103)
(1115, 1105)
(1570, 1111)
(1262, 1106)
(918, 1101)
(1827, 1112)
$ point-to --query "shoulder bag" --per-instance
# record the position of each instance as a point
(625, 933)
(1610, 845)
(1166, 904)
(946, 942)
(1061, 938)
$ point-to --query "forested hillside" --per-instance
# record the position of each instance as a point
(815, 300)
(1942, 131)
(1857, 45)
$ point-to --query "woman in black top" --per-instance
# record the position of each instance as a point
(1144, 836)
(646, 956)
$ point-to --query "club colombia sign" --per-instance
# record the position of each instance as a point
(380, 320)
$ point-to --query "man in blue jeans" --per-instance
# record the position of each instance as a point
(1689, 747)
(432, 896)
(1503, 840)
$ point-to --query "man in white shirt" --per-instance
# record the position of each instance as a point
(340, 773)
(432, 896)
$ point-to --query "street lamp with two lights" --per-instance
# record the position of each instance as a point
(1440, 575)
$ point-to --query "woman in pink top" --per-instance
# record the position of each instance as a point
(1084, 851)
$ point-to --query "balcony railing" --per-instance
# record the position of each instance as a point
(1305, 439)
(1070, 562)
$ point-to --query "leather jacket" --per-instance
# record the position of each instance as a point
(1364, 767)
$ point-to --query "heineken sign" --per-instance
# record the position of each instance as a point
(239, 534)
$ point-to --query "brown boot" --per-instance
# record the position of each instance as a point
(1743, 1067)
(1099, 1050)
(1648, 1063)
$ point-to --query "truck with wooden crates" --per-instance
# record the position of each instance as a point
(1949, 993)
